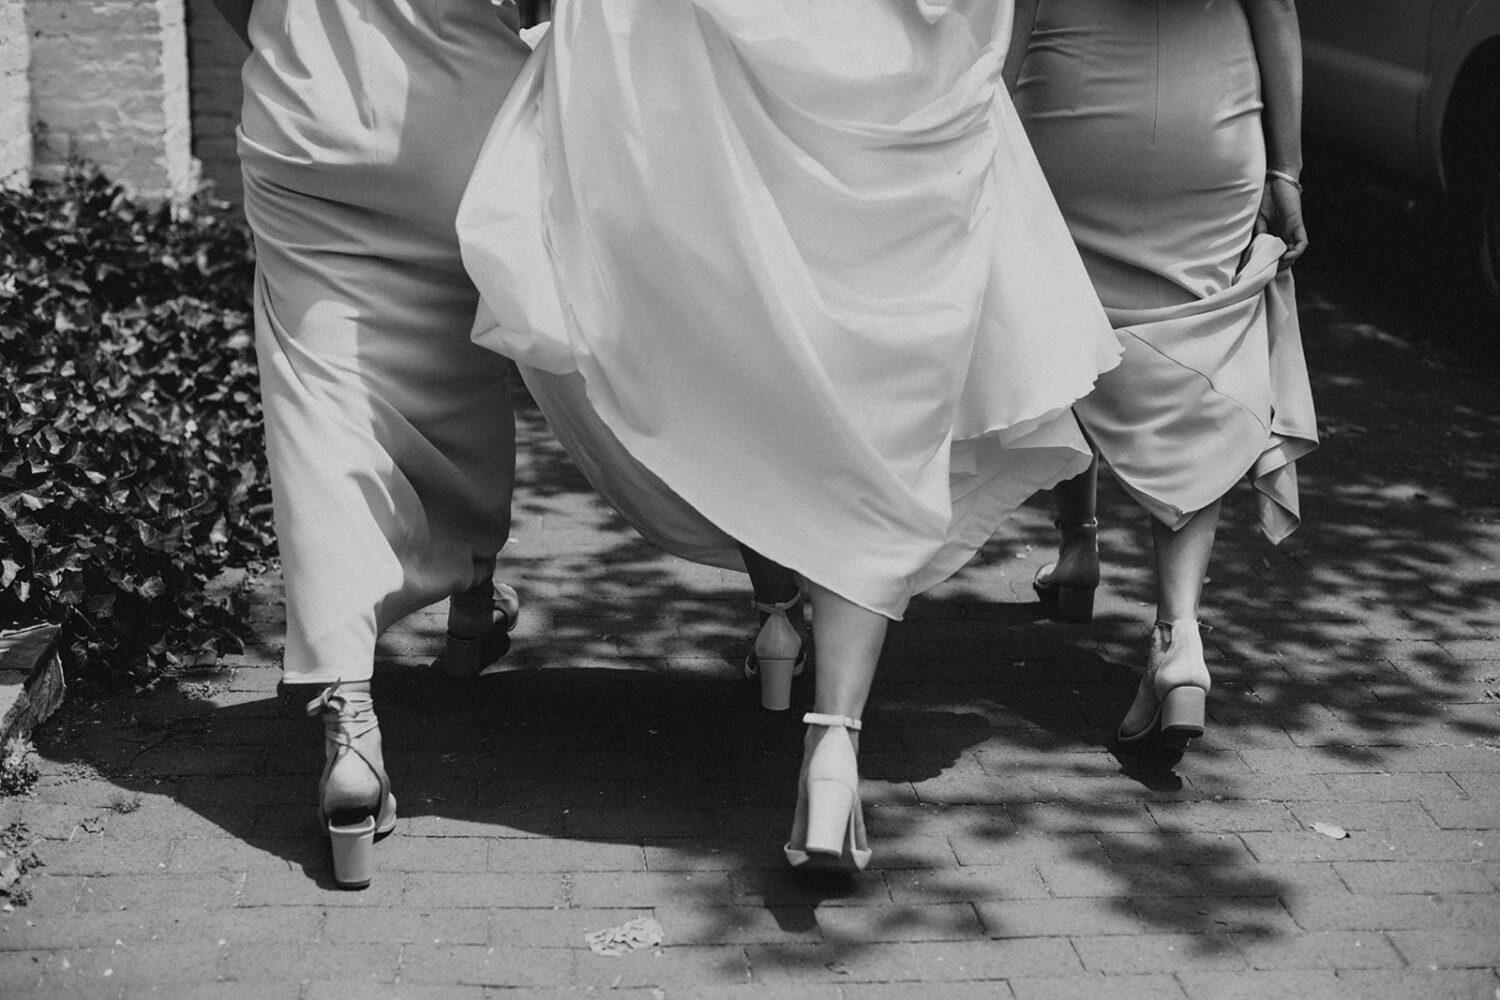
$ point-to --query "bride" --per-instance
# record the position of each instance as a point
(786, 279)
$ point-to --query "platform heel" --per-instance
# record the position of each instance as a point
(1069, 584)
(828, 830)
(355, 803)
(480, 621)
(777, 655)
(1171, 703)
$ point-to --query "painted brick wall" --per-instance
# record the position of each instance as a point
(109, 82)
(15, 93)
(215, 54)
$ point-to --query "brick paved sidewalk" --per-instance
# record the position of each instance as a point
(624, 770)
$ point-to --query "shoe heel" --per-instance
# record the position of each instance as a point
(476, 638)
(1075, 604)
(776, 683)
(1182, 711)
(464, 658)
(353, 851)
(830, 805)
(461, 657)
(777, 647)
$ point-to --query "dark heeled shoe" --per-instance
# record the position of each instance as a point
(1170, 705)
(828, 830)
(1069, 583)
(480, 621)
(777, 655)
(355, 804)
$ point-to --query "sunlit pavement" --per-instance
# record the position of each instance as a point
(622, 768)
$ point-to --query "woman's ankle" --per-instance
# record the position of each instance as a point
(1177, 654)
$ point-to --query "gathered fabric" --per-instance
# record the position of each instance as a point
(788, 275)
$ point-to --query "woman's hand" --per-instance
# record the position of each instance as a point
(1278, 53)
(1281, 215)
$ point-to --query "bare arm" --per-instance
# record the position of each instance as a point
(1020, 35)
(1278, 53)
(237, 13)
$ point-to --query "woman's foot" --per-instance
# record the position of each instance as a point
(1169, 704)
(480, 621)
(355, 804)
(1069, 583)
(779, 652)
(828, 830)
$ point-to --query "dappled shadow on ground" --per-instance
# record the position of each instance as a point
(990, 777)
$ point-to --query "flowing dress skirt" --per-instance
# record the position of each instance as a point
(1146, 116)
(389, 433)
(788, 275)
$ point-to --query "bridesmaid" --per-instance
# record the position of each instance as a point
(390, 437)
(1169, 131)
(819, 302)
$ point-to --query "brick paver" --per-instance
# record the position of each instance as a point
(622, 769)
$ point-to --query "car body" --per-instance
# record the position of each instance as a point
(1413, 85)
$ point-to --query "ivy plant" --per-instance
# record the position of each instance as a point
(132, 469)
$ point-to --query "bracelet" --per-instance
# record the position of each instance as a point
(1283, 175)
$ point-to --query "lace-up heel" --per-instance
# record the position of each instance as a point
(777, 655)
(828, 830)
(480, 621)
(355, 804)
(1069, 583)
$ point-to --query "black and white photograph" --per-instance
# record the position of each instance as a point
(750, 499)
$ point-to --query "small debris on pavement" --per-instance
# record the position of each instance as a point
(16, 859)
(1329, 830)
(642, 932)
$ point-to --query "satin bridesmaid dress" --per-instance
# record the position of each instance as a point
(389, 432)
(1146, 117)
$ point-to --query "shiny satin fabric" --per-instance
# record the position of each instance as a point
(1145, 115)
(788, 274)
(389, 433)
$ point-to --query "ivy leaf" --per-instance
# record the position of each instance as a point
(131, 451)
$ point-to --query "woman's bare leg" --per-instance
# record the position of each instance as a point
(1176, 657)
(1069, 582)
(828, 829)
(1075, 500)
(772, 582)
(849, 639)
(1182, 563)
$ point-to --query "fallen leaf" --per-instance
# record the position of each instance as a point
(1329, 830)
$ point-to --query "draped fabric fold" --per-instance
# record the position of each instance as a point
(788, 275)
(1226, 368)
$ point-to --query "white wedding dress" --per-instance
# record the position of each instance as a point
(788, 273)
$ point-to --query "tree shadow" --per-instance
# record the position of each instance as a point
(990, 778)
